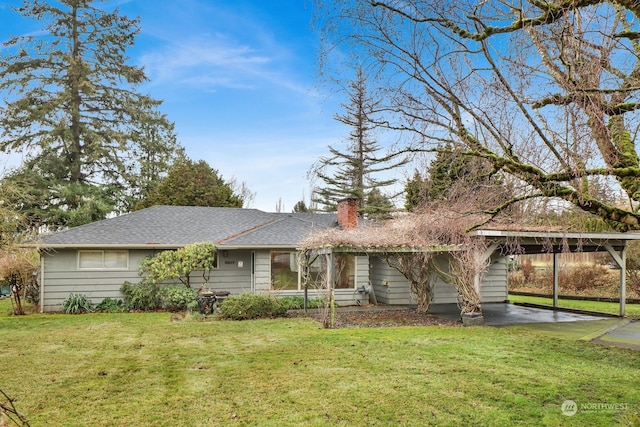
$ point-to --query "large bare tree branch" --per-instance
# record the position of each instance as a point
(547, 91)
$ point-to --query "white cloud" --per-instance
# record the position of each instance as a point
(212, 61)
(221, 48)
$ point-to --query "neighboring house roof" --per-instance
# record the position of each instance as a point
(176, 226)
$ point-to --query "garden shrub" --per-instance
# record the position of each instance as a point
(77, 304)
(581, 277)
(297, 302)
(110, 305)
(140, 296)
(528, 271)
(633, 266)
(177, 298)
(577, 279)
(249, 306)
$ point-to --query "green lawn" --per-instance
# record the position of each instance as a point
(603, 307)
(145, 370)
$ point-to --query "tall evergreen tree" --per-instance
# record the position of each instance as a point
(192, 184)
(352, 172)
(453, 175)
(73, 112)
(301, 207)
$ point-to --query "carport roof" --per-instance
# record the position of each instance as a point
(520, 241)
(558, 241)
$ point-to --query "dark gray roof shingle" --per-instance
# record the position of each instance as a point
(182, 225)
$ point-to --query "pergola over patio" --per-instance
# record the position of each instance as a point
(556, 242)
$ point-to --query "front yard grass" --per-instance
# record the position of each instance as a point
(145, 370)
(597, 306)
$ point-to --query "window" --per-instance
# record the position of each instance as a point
(345, 271)
(284, 270)
(103, 260)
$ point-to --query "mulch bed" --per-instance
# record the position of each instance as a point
(379, 318)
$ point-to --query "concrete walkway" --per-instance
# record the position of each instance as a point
(626, 334)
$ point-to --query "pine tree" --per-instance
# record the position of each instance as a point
(352, 172)
(73, 112)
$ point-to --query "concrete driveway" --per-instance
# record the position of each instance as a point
(606, 330)
(502, 314)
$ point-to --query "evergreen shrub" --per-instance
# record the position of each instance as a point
(77, 304)
(249, 306)
(140, 296)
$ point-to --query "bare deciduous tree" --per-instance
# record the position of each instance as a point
(545, 91)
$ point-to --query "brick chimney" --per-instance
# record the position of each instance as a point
(348, 213)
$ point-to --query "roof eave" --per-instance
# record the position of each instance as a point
(101, 245)
(557, 234)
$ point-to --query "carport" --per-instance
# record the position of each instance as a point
(557, 242)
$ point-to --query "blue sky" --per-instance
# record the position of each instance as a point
(239, 80)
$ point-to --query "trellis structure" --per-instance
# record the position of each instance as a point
(503, 242)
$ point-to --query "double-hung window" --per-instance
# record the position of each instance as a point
(103, 260)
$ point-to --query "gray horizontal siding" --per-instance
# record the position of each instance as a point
(263, 271)
(391, 287)
(362, 271)
(62, 277)
(233, 273)
(494, 284)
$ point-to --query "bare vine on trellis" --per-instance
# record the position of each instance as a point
(415, 244)
(9, 415)
(410, 244)
(418, 269)
(309, 262)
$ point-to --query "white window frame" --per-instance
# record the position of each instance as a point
(355, 271)
(293, 262)
(103, 259)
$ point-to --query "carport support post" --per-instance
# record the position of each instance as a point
(555, 279)
(623, 280)
(621, 260)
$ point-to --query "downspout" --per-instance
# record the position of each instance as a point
(253, 272)
(41, 282)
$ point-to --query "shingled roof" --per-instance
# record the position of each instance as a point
(177, 226)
